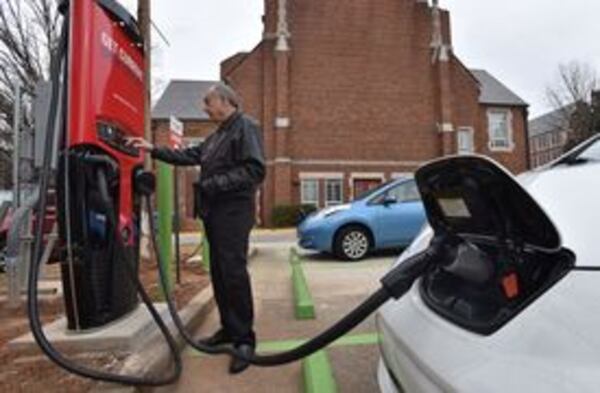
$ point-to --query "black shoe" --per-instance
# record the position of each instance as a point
(219, 338)
(238, 365)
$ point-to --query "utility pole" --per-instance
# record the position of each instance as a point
(145, 28)
(144, 22)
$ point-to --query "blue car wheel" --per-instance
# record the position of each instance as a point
(352, 243)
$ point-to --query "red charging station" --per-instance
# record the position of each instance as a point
(105, 105)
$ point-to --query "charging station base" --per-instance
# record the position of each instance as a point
(125, 335)
(129, 334)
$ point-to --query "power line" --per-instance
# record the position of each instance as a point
(160, 33)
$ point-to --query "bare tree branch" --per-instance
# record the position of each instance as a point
(28, 35)
(570, 97)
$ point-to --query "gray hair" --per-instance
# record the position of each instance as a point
(226, 93)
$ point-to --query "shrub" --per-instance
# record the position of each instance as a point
(290, 215)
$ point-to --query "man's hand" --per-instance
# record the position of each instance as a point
(140, 143)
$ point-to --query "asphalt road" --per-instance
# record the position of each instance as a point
(336, 287)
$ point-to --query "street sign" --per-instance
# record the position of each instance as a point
(175, 133)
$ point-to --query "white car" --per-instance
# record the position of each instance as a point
(518, 309)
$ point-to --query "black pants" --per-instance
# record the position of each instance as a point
(227, 225)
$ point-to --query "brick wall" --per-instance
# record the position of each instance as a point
(516, 159)
(361, 94)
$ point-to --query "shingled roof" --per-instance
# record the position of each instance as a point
(182, 99)
(552, 121)
(493, 92)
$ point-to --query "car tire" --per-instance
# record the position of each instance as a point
(352, 243)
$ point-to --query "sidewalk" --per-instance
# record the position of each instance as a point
(259, 235)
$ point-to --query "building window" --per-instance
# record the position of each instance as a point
(500, 130)
(465, 140)
(309, 193)
(333, 192)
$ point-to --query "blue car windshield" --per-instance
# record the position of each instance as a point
(372, 191)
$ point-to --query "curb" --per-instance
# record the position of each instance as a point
(304, 307)
(156, 357)
(318, 374)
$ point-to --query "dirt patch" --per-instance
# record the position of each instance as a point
(38, 374)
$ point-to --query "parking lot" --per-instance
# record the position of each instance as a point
(335, 286)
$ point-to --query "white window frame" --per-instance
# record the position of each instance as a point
(510, 145)
(303, 197)
(329, 202)
(470, 132)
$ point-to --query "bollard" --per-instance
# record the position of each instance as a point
(165, 217)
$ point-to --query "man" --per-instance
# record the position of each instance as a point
(232, 167)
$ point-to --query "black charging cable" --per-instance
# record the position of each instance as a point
(394, 285)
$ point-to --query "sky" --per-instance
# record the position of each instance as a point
(521, 42)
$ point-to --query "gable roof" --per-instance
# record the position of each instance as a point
(551, 121)
(493, 92)
(182, 99)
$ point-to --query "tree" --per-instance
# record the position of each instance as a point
(575, 101)
(29, 32)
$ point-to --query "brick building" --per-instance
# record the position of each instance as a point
(353, 93)
(548, 135)
(555, 132)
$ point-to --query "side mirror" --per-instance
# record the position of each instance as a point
(389, 200)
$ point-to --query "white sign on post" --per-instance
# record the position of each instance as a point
(175, 132)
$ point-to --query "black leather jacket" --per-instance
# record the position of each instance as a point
(231, 159)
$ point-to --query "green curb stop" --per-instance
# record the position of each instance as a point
(294, 257)
(318, 374)
(303, 304)
(205, 251)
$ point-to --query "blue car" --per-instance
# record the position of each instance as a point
(388, 216)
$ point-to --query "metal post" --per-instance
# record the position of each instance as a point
(143, 14)
(165, 218)
(16, 146)
(12, 263)
(144, 21)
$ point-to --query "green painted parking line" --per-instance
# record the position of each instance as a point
(345, 341)
(357, 339)
(304, 307)
(318, 374)
(286, 345)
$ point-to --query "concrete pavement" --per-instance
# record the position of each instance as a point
(336, 287)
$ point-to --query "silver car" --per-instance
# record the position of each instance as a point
(518, 314)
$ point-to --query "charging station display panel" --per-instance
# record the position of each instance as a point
(106, 102)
